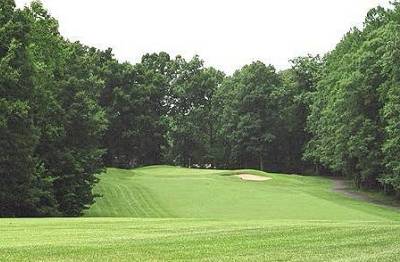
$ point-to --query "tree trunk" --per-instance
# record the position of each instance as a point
(261, 163)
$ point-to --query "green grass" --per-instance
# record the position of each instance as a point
(128, 239)
(167, 213)
(170, 192)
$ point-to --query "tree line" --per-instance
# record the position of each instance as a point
(68, 110)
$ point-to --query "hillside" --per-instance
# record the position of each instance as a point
(173, 192)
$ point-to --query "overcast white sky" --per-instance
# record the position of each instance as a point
(225, 33)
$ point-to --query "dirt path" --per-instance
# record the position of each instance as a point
(345, 187)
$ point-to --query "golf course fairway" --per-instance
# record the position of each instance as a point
(163, 213)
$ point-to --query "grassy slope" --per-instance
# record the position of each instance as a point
(163, 191)
(209, 215)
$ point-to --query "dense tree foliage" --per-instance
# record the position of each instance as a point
(354, 118)
(294, 101)
(51, 122)
(249, 115)
(68, 110)
(191, 129)
(20, 170)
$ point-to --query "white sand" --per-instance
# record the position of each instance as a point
(249, 177)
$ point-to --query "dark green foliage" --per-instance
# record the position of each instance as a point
(191, 118)
(78, 154)
(19, 194)
(136, 103)
(390, 99)
(294, 100)
(50, 121)
(248, 115)
(354, 114)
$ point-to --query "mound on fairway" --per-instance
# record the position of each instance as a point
(173, 192)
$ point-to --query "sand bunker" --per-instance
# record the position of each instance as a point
(249, 177)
